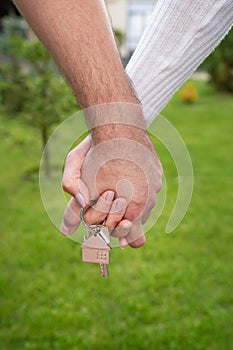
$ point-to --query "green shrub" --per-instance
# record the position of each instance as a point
(220, 65)
(30, 86)
(119, 36)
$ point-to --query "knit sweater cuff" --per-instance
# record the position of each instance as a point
(179, 36)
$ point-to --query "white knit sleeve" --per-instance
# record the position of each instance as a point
(179, 36)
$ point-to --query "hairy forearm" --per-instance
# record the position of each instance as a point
(78, 35)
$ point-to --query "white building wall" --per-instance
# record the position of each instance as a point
(118, 10)
(130, 17)
(118, 13)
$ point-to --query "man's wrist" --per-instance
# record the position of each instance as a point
(116, 131)
(113, 119)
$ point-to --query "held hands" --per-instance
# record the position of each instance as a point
(114, 173)
(105, 208)
(121, 175)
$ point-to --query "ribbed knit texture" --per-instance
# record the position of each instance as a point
(179, 36)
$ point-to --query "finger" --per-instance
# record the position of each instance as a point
(82, 193)
(136, 237)
(78, 154)
(123, 242)
(98, 213)
(121, 232)
(71, 182)
(71, 218)
(116, 213)
(122, 229)
(150, 205)
(94, 215)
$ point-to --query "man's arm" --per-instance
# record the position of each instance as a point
(78, 34)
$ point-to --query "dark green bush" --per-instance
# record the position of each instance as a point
(220, 65)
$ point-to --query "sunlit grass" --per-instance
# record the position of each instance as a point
(175, 293)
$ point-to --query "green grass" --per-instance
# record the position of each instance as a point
(175, 293)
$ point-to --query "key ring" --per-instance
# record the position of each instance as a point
(93, 228)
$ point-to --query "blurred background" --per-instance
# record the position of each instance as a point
(175, 293)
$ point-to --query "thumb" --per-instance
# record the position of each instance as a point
(71, 180)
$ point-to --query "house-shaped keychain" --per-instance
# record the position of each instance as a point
(95, 247)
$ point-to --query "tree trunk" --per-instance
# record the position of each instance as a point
(44, 135)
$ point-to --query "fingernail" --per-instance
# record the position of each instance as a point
(109, 197)
(120, 204)
(65, 230)
(127, 226)
(123, 242)
(80, 199)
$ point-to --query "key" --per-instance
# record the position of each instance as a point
(96, 247)
(104, 270)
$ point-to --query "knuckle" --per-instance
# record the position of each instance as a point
(69, 156)
(138, 243)
(119, 232)
(111, 223)
(93, 218)
(66, 185)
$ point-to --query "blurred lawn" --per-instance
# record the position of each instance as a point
(175, 293)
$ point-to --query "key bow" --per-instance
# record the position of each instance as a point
(96, 245)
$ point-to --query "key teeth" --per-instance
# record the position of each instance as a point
(103, 270)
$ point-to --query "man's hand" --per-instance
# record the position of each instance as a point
(105, 207)
(121, 159)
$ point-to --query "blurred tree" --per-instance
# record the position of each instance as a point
(220, 64)
(7, 8)
(29, 83)
(119, 36)
(12, 82)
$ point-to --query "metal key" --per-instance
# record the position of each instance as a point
(96, 245)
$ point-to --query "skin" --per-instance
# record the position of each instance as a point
(140, 204)
(78, 35)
